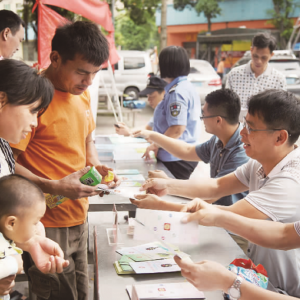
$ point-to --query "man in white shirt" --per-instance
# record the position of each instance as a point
(11, 33)
(272, 176)
(257, 75)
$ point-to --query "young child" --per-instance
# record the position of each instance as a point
(22, 206)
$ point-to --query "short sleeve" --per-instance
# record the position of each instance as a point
(177, 110)
(228, 81)
(242, 173)
(278, 198)
(91, 121)
(297, 227)
(204, 150)
(237, 159)
(283, 84)
(8, 266)
(150, 123)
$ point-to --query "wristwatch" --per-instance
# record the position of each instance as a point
(234, 291)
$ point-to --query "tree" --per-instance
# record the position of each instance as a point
(210, 8)
(281, 18)
(141, 10)
(135, 37)
(163, 25)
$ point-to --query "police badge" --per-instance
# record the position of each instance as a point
(175, 109)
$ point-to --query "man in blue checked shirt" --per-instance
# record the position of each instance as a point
(177, 115)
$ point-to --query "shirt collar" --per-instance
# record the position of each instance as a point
(175, 81)
(267, 71)
(261, 174)
(232, 142)
(1, 57)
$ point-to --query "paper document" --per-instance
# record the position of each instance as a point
(156, 266)
(178, 290)
(166, 226)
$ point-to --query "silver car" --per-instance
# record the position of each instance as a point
(204, 78)
(131, 73)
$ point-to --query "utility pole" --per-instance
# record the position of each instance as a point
(163, 25)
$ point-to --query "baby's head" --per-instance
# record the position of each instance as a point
(22, 205)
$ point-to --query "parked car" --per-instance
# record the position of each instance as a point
(285, 62)
(131, 72)
(134, 104)
(204, 78)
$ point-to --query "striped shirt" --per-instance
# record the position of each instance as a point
(7, 161)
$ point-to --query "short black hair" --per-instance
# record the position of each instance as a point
(174, 62)
(17, 193)
(81, 38)
(23, 85)
(264, 40)
(8, 19)
(224, 102)
(278, 109)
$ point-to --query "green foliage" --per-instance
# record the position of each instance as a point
(210, 8)
(141, 10)
(135, 37)
(281, 15)
(182, 4)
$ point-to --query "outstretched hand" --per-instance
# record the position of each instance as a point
(204, 213)
(147, 201)
(46, 254)
(156, 186)
(206, 275)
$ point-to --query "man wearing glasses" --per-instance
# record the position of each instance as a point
(257, 75)
(224, 151)
(272, 176)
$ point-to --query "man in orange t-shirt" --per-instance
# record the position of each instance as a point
(56, 154)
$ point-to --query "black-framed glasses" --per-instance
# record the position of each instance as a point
(249, 130)
(207, 117)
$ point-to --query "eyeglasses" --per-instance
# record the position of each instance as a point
(202, 117)
(249, 130)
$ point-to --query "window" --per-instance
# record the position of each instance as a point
(7, 6)
(133, 63)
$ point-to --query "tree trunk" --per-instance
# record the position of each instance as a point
(208, 24)
(163, 28)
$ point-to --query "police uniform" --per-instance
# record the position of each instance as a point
(180, 106)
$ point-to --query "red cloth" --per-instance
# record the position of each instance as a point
(93, 10)
(49, 20)
(113, 54)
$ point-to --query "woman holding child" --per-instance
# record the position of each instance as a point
(23, 96)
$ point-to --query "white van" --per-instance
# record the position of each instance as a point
(131, 72)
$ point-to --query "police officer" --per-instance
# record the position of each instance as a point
(154, 91)
(178, 115)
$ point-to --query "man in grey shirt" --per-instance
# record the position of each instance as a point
(272, 176)
(224, 151)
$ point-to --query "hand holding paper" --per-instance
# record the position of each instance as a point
(167, 226)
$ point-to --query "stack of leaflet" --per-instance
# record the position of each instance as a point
(130, 183)
(122, 148)
(178, 290)
(147, 259)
